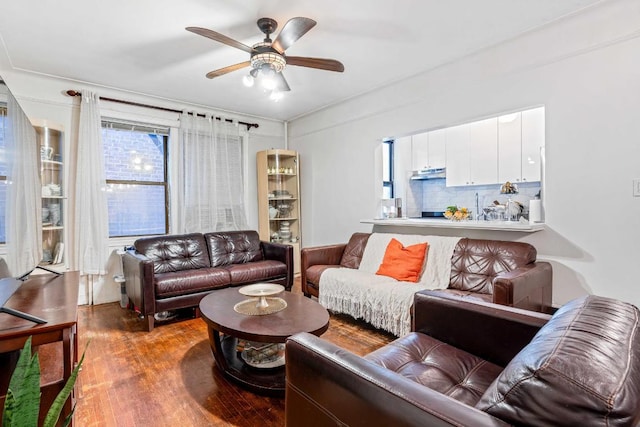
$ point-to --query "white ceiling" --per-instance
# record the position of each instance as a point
(142, 45)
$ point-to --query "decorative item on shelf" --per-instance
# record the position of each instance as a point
(58, 253)
(285, 231)
(47, 257)
(262, 355)
(46, 153)
(284, 210)
(509, 188)
(281, 194)
(54, 189)
(54, 213)
(456, 214)
(273, 212)
(45, 214)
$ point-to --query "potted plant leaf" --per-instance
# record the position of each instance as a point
(22, 403)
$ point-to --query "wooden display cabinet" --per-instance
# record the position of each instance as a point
(50, 143)
(279, 199)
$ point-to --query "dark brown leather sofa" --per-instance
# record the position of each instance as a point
(470, 363)
(495, 271)
(177, 271)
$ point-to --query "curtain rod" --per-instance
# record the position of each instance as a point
(155, 107)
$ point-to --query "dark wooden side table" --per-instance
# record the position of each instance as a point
(226, 326)
(54, 299)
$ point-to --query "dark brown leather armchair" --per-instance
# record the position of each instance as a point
(470, 363)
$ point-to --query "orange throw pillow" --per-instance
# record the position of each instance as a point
(403, 263)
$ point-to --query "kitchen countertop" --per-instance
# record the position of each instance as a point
(524, 227)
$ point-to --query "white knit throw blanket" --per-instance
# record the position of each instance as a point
(380, 300)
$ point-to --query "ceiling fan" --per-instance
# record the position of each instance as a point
(267, 58)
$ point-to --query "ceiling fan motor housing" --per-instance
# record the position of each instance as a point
(263, 54)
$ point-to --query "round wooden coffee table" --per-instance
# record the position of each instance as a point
(226, 327)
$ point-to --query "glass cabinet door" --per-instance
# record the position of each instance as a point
(279, 198)
(52, 177)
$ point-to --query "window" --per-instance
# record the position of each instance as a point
(387, 169)
(136, 173)
(3, 174)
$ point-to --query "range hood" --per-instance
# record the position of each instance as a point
(431, 173)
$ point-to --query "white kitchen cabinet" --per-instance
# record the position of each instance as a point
(532, 143)
(457, 144)
(428, 150)
(419, 151)
(520, 138)
(472, 153)
(510, 147)
(437, 149)
(483, 152)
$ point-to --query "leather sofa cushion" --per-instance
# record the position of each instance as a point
(174, 253)
(315, 271)
(233, 247)
(581, 368)
(438, 366)
(475, 262)
(352, 254)
(256, 271)
(190, 282)
(466, 294)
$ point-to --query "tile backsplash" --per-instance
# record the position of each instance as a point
(434, 195)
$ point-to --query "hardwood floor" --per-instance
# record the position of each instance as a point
(167, 377)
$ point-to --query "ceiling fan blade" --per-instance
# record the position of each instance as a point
(281, 83)
(320, 63)
(292, 31)
(225, 70)
(220, 38)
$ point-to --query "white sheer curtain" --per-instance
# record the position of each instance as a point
(23, 219)
(91, 226)
(210, 176)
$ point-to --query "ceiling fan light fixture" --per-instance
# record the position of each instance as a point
(268, 81)
(275, 95)
(267, 59)
(248, 80)
(272, 59)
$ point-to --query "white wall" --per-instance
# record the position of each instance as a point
(44, 98)
(584, 69)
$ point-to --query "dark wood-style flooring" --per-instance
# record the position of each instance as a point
(168, 377)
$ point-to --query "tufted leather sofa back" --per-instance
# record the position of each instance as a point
(581, 369)
(233, 247)
(175, 252)
(475, 262)
(354, 250)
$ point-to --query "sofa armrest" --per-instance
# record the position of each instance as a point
(318, 255)
(139, 276)
(493, 332)
(327, 385)
(527, 287)
(282, 253)
(322, 255)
